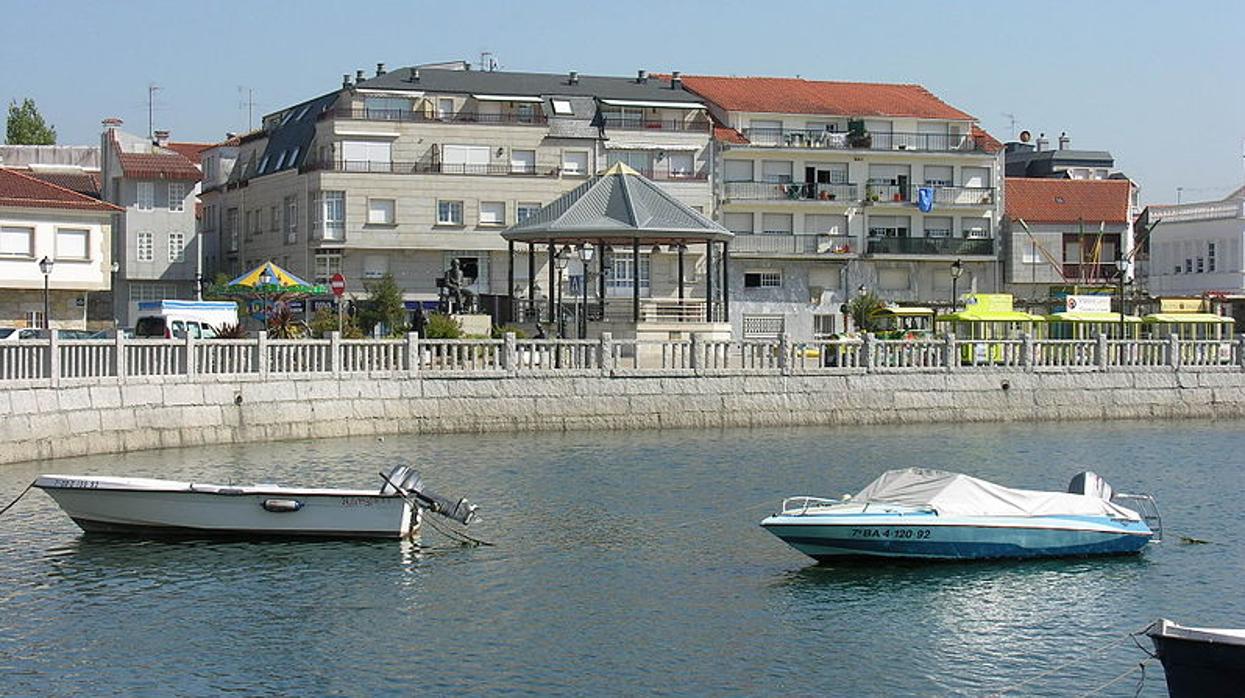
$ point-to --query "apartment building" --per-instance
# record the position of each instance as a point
(154, 237)
(55, 238)
(833, 188)
(407, 170)
(1198, 249)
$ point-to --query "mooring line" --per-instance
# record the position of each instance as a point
(1079, 658)
(23, 494)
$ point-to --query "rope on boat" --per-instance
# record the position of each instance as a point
(1080, 658)
(452, 534)
(1141, 681)
(23, 494)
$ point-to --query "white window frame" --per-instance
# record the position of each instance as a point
(377, 213)
(450, 206)
(493, 220)
(177, 247)
(58, 255)
(766, 278)
(291, 218)
(14, 231)
(372, 266)
(445, 108)
(519, 166)
(177, 196)
(680, 172)
(327, 263)
(145, 196)
(575, 172)
(562, 107)
(145, 246)
(531, 208)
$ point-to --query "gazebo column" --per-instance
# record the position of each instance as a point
(510, 280)
(680, 247)
(552, 283)
(531, 279)
(635, 280)
(726, 282)
(708, 281)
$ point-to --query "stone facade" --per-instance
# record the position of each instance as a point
(103, 416)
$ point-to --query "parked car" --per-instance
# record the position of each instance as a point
(13, 334)
(176, 319)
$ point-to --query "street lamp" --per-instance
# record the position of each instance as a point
(585, 256)
(560, 260)
(1121, 265)
(112, 291)
(45, 266)
(957, 270)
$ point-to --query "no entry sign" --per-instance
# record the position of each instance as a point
(338, 283)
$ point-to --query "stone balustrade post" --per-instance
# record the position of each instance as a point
(412, 354)
(1240, 351)
(510, 353)
(866, 349)
(54, 358)
(261, 347)
(607, 354)
(1101, 350)
(695, 359)
(192, 360)
(949, 357)
(1027, 347)
(118, 357)
(1173, 351)
(784, 353)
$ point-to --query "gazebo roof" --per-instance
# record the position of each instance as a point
(620, 204)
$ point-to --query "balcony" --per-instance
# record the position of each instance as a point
(534, 118)
(635, 123)
(832, 140)
(794, 191)
(944, 197)
(390, 167)
(931, 246)
(799, 244)
(663, 174)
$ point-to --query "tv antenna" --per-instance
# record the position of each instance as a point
(152, 88)
(1012, 119)
(246, 98)
(488, 61)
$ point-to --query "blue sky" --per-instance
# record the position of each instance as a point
(1159, 84)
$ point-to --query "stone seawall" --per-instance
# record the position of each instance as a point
(107, 416)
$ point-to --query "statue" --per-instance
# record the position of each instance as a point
(461, 297)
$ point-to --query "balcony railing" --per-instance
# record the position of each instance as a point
(958, 196)
(1091, 272)
(931, 246)
(797, 244)
(635, 123)
(881, 193)
(664, 174)
(770, 191)
(390, 167)
(535, 118)
(833, 140)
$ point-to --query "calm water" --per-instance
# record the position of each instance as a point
(626, 563)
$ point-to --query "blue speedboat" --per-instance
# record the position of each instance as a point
(919, 513)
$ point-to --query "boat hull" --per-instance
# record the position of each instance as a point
(1205, 668)
(825, 538)
(233, 513)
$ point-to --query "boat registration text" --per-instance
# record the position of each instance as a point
(917, 533)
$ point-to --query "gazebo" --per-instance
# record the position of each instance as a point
(614, 219)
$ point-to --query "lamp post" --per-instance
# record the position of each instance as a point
(1121, 265)
(585, 256)
(561, 260)
(112, 290)
(45, 266)
(957, 270)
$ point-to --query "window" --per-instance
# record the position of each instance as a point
(177, 196)
(72, 243)
(263, 165)
(327, 264)
(639, 160)
(386, 108)
(492, 213)
(449, 213)
(681, 165)
(523, 211)
(976, 176)
(293, 156)
(257, 222)
(523, 161)
(177, 247)
(34, 318)
(939, 175)
(330, 209)
(763, 279)
(474, 265)
(366, 156)
(1030, 254)
(823, 224)
(17, 241)
(465, 159)
(146, 198)
(776, 171)
(445, 109)
(621, 279)
(562, 107)
(738, 171)
(274, 218)
(1188, 265)
(1210, 256)
(380, 211)
(824, 325)
(291, 219)
(231, 228)
(738, 222)
(146, 248)
(976, 228)
(888, 226)
(937, 226)
(375, 266)
(525, 113)
(776, 223)
(762, 326)
(280, 160)
(575, 162)
(1201, 265)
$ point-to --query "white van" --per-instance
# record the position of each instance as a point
(176, 319)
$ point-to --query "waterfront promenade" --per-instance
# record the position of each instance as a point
(67, 398)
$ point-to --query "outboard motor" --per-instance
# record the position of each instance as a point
(408, 483)
(1090, 484)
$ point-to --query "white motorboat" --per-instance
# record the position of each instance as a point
(166, 507)
(1202, 662)
(931, 514)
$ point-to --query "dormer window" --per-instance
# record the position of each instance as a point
(263, 165)
(562, 107)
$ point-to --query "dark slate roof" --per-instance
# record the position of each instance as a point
(1044, 163)
(581, 122)
(528, 85)
(618, 204)
(290, 142)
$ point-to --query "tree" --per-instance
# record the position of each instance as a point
(384, 307)
(864, 309)
(26, 125)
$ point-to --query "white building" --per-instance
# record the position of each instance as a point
(820, 182)
(1198, 249)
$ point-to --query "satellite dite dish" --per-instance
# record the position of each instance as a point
(1025, 136)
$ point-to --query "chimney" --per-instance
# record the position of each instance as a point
(414, 76)
(573, 78)
(346, 80)
(1064, 140)
(1042, 142)
(641, 76)
(112, 123)
(676, 82)
(162, 139)
(380, 69)
(358, 76)
(230, 134)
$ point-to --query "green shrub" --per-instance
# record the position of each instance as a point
(499, 331)
(441, 326)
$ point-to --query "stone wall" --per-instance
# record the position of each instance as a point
(106, 416)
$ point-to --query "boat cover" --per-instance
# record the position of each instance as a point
(955, 494)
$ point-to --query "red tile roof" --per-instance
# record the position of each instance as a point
(80, 181)
(985, 142)
(799, 96)
(725, 134)
(172, 166)
(1067, 200)
(23, 190)
(191, 151)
